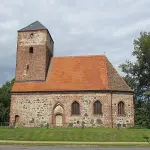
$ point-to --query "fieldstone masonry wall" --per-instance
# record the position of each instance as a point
(38, 109)
(128, 119)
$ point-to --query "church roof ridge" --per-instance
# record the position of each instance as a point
(79, 56)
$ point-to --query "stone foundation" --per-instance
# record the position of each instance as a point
(41, 109)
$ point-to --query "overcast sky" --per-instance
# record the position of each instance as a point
(78, 27)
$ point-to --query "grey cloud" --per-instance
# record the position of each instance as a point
(78, 27)
(7, 74)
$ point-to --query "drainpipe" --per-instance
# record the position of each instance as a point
(111, 110)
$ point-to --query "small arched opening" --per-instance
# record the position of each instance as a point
(97, 107)
(75, 108)
(121, 108)
(17, 118)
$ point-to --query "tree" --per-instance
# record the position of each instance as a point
(5, 97)
(137, 75)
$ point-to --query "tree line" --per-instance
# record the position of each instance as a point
(137, 76)
(5, 97)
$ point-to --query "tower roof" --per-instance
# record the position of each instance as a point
(34, 26)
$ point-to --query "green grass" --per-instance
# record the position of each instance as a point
(75, 134)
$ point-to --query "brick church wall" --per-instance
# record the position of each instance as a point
(37, 109)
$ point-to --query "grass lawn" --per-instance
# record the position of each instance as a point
(75, 134)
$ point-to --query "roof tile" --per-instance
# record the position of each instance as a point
(76, 73)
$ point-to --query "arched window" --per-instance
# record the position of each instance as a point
(75, 108)
(31, 50)
(121, 111)
(97, 108)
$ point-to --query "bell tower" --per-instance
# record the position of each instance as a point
(34, 52)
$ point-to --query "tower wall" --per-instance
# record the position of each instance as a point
(33, 65)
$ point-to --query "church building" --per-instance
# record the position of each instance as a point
(69, 91)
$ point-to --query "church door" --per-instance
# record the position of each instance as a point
(16, 123)
(59, 120)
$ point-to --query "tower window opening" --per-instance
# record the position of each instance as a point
(31, 50)
(27, 67)
(31, 35)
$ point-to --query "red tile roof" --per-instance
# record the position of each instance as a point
(77, 73)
